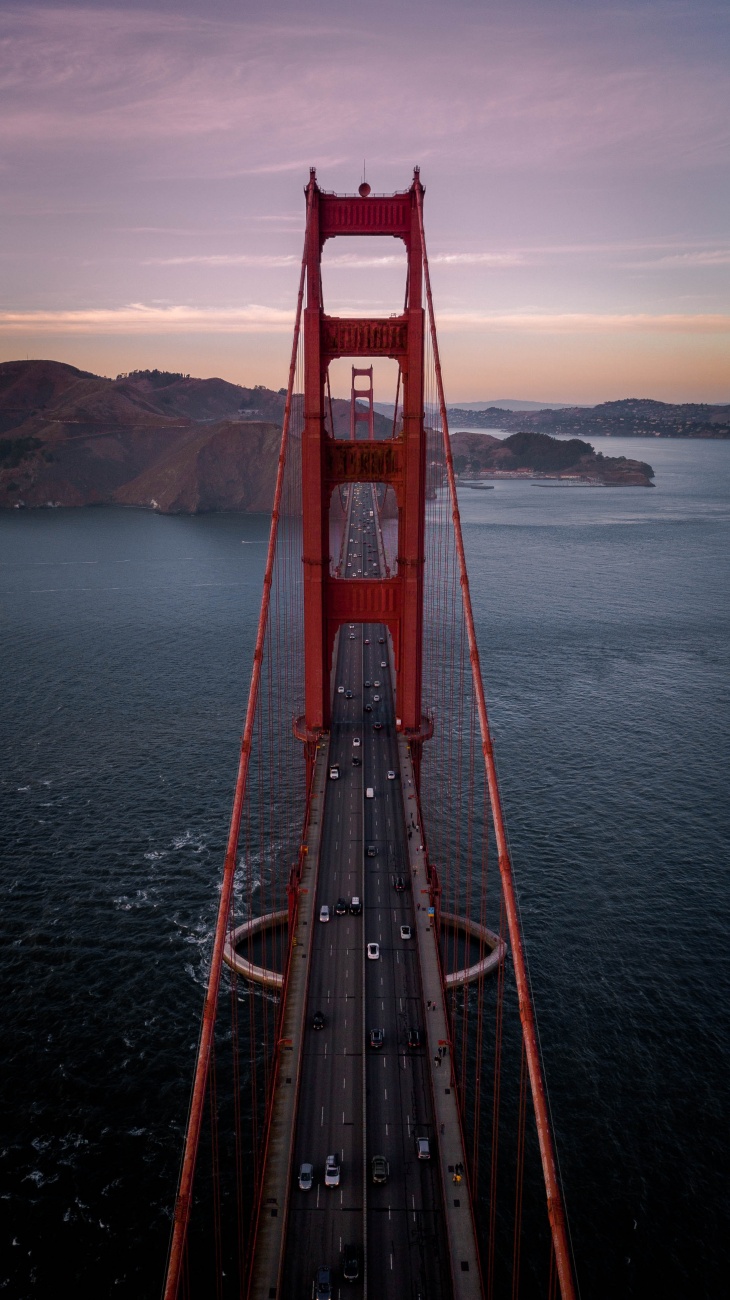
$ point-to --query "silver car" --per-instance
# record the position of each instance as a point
(331, 1172)
(306, 1177)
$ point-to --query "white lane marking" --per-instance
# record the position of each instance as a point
(385, 1090)
(391, 1257)
(386, 1130)
(325, 1051)
(344, 1084)
(321, 1121)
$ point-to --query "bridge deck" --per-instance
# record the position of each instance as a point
(414, 1233)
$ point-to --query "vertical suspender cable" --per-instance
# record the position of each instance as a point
(556, 1212)
(192, 1136)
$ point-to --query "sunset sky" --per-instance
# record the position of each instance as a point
(574, 153)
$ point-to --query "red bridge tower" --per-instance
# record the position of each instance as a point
(327, 462)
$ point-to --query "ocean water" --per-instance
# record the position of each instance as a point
(603, 618)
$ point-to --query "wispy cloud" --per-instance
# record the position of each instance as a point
(587, 322)
(346, 261)
(710, 257)
(266, 261)
(141, 318)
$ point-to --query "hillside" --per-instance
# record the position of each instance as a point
(165, 441)
(537, 455)
(638, 418)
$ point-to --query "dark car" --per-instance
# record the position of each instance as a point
(400, 884)
(348, 695)
(377, 1037)
(367, 684)
(351, 1263)
(323, 1284)
(371, 851)
(355, 906)
(381, 640)
(378, 726)
(368, 708)
(414, 1038)
(341, 907)
(318, 1020)
(380, 1169)
(356, 762)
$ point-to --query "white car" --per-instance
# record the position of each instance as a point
(383, 664)
(391, 776)
(373, 951)
(355, 742)
(340, 690)
(406, 932)
(331, 1172)
(376, 698)
(370, 793)
(376, 685)
(324, 912)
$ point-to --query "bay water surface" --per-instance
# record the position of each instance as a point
(604, 623)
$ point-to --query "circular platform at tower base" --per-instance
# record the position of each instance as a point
(273, 979)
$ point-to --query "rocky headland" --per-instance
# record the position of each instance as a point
(538, 456)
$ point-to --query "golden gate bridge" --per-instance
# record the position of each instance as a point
(368, 1112)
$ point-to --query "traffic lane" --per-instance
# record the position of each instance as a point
(332, 1091)
(421, 1184)
(320, 1235)
(395, 1113)
(411, 1248)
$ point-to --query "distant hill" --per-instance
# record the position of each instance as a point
(635, 417)
(507, 404)
(537, 455)
(150, 438)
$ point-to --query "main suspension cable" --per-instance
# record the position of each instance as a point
(202, 1064)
